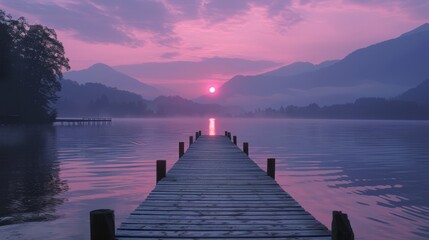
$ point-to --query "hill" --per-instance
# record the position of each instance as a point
(419, 94)
(298, 68)
(98, 100)
(95, 99)
(411, 105)
(102, 73)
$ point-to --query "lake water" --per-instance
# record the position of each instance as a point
(376, 171)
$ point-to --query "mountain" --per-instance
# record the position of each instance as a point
(178, 74)
(95, 99)
(102, 73)
(413, 104)
(206, 68)
(422, 28)
(384, 69)
(297, 68)
(419, 94)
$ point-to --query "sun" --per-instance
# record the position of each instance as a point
(212, 89)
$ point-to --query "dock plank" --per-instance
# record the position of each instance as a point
(215, 191)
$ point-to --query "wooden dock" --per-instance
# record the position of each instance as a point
(216, 191)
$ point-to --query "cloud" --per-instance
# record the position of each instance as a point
(222, 10)
(111, 21)
(207, 68)
(280, 12)
(103, 21)
(84, 20)
(184, 10)
(170, 55)
(414, 8)
(147, 15)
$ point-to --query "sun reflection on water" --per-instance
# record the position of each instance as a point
(212, 126)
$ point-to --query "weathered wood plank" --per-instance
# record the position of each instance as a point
(227, 208)
(227, 238)
(221, 221)
(220, 227)
(217, 204)
(221, 212)
(205, 217)
(211, 234)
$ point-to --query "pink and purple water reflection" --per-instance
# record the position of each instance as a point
(51, 177)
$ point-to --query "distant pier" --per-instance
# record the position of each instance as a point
(82, 121)
(215, 191)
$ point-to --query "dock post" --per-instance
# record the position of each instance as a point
(161, 169)
(181, 149)
(102, 223)
(196, 136)
(229, 135)
(226, 133)
(191, 140)
(246, 148)
(199, 133)
(341, 228)
(235, 140)
(271, 167)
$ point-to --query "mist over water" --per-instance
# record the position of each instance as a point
(51, 177)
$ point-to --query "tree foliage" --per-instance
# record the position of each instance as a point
(362, 108)
(32, 60)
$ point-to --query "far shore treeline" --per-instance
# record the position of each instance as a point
(32, 60)
(98, 100)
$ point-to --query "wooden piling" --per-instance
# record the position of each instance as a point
(226, 133)
(235, 140)
(196, 136)
(229, 135)
(181, 149)
(271, 167)
(246, 148)
(161, 169)
(191, 140)
(102, 223)
(199, 133)
(341, 227)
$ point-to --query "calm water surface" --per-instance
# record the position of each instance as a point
(376, 171)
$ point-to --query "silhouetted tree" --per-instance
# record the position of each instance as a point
(32, 63)
(5, 46)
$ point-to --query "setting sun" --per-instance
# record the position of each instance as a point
(212, 89)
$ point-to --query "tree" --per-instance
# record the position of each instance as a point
(5, 46)
(33, 70)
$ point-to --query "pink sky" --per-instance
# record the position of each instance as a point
(283, 31)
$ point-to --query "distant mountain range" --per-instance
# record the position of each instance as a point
(410, 105)
(134, 77)
(381, 70)
(104, 74)
(95, 99)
